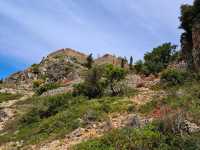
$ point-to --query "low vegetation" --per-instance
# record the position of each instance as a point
(8, 96)
(102, 80)
(147, 138)
(53, 117)
(173, 77)
(103, 92)
(40, 88)
(182, 93)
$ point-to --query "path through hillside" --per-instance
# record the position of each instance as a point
(8, 110)
(94, 130)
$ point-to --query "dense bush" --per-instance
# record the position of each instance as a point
(113, 75)
(35, 68)
(125, 139)
(45, 108)
(37, 83)
(46, 87)
(99, 79)
(173, 76)
(139, 66)
(147, 138)
(157, 60)
(89, 62)
(93, 85)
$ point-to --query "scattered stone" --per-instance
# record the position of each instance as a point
(133, 121)
(192, 127)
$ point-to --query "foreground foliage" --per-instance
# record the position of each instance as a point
(173, 77)
(48, 118)
(8, 96)
(148, 138)
(182, 93)
(100, 81)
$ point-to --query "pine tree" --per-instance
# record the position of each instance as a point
(89, 61)
(123, 61)
(131, 63)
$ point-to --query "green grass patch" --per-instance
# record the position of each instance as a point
(8, 96)
(148, 107)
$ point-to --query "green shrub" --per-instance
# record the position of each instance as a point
(46, 87)
(147, 138)
(45, 108)
(99, 79)
(173, 77)
(37, 83)
(91, 115)
(125, 139)
(89, 62)
(139, 66)
(156, 60)
(35, 68)
(148, 107)
(113, 75)
(93, 86)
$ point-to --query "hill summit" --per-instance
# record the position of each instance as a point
(63, 65)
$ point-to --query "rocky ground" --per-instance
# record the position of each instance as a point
(94, 130)
(8, 110)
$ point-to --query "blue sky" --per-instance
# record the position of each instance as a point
(30, 29)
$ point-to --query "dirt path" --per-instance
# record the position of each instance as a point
(8, 110)
(98, 129)
(146, 95)
(93, 131)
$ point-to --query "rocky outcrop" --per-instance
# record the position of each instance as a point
(64, 65)
(61, 90)
(181, 65)
(109, 59)
(70, 53)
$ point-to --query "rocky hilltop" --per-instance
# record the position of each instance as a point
(152, 104)
(61, 66)
(109, 59)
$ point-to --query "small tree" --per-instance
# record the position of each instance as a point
(139, 66)
(156, 60)
(35, 68)
(93, 85)
(98, 79)
(131, 63)
(123, 62)
(113, 75)
(89, 61)
(1, 81)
